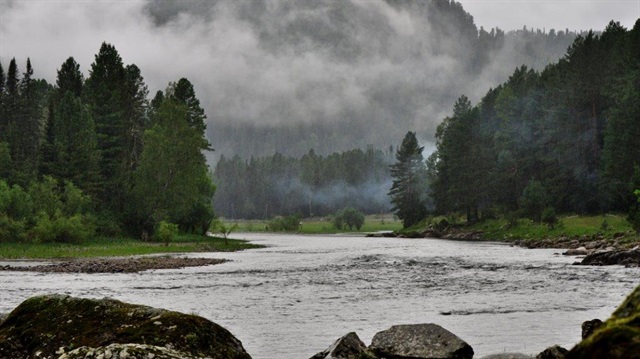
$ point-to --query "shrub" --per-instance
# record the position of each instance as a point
(549, 217)
(284, 224)
(166, 232)
(533, 200)
(348, 218)
(62, 229)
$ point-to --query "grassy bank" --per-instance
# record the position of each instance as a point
(109, 247)
(372, 223)
(607, 226)
(611, 227)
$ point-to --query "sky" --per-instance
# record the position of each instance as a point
(552, 14)
(288, 75)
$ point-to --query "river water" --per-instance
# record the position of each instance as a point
(295, 297)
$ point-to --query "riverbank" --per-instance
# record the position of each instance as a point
(572, 232)
(119, 247)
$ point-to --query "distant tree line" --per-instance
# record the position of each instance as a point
(313, 185)
(566, 138)
(132, 161)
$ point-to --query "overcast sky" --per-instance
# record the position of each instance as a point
(575, 15)
(369, 69)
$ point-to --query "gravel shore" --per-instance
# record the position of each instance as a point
(120, 265)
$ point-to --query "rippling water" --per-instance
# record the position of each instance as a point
(294, 298)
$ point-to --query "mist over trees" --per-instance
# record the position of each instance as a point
(565, 137)
(95, 154)
(288, 76)
(312, 185)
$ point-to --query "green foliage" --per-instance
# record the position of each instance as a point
(45, 213)
(61, 229)
(166, 232)
(634, 213)
(549, 217)
(533, 200)
(284, 224)
(171, 181)
(573, 126)
(218, 226)
(348, 218)
(408, 191)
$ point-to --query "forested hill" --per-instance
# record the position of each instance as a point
(312, 185)
(337, 75)
(567, 137)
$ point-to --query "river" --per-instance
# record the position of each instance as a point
(295, 297)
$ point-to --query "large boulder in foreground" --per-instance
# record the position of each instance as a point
(349, 346)
(617, 338)
(419, 341)
(57, 326)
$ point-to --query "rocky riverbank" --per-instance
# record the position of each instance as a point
(598, 249)
(115, 265)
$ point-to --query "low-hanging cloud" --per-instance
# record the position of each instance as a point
(275, 75)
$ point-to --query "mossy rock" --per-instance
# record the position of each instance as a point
(618, 337)
(46, 326)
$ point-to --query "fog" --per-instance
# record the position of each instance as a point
(284, 76)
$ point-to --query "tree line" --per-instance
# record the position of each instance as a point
(312, 185)
(564, 138)
(132, 160)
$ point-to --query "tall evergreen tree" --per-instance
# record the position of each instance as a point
(408, 191)
(75, 144)
(183, 92)
(105, 90)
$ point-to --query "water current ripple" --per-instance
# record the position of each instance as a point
(295, 297)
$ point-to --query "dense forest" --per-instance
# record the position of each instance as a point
(95, 156)
(564, 138)
(312, 185)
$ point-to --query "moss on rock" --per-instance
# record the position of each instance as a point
(618, 337)
(53, 324)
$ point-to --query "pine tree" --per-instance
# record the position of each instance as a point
(75, 144)
(408, 191)
(104, 91)
(183, 92)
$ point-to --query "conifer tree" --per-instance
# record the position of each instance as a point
(408, 191)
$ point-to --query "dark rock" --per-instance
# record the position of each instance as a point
(419, 341)
(623, 257)
(580, 251)
(616, 338)
(554, 352)
(49, 326)
(348, 346)
(590, 326)
(508, 356)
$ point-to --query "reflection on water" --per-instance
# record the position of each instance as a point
(297, 296)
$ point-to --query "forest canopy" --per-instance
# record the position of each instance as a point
(96, 156)
(565, 137)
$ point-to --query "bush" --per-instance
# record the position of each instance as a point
(62, 229)
(284, 224)
(533, 201)
(512, 219)
(166, 232)
(348, 218)
(549, 217)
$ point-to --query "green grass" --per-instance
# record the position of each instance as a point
(570, 226)
(372, 223)
(109, 247)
